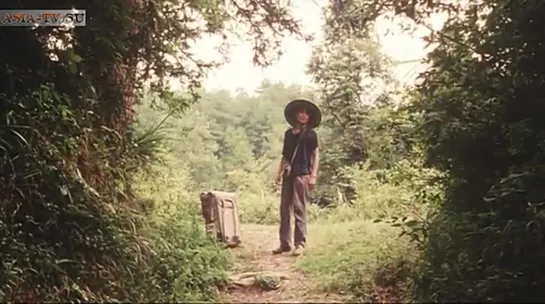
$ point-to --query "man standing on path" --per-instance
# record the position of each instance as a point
(298, 171)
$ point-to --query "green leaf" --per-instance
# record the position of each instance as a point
(75, 58)
(72, 68)
(21, 138)
(411, 223)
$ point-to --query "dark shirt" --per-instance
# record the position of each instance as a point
(302, 162)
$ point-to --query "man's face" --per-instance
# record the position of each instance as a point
(302, 117)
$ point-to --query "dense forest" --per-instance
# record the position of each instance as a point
(426, 193)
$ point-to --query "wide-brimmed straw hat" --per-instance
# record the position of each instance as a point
(296, 105)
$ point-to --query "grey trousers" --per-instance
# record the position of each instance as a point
(294, 196)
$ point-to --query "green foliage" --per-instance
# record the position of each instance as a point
(372, 248)
(356, 86)
(43, 194)
(391, 184)
(185, 261)
(356, 258)
(482, 123)
(405, 190)
(150, 257)
(477, 228)
(71, 226)
(484, 128)
(233, 143)
(230, 143)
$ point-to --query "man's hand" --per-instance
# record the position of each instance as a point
(311, 182)
(278, 180)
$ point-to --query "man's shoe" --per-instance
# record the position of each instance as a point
(299, 250)
(280, 250)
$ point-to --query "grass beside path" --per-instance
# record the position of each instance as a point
(343, 262)
(361, 259)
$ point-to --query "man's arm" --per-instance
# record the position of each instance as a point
(315, 160)
(283, 163)
(284, 160)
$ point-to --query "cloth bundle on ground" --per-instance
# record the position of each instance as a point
(220, 213)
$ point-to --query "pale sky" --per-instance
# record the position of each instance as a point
(239, 72)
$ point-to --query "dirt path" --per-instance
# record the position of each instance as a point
(255, 256)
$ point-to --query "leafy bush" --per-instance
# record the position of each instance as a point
(91, 242)
(502, 256)
(353, 254)
(407, 189)
(187, 264)
(352, 258)
(483, 124)
(57, 229)
(264, 207)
